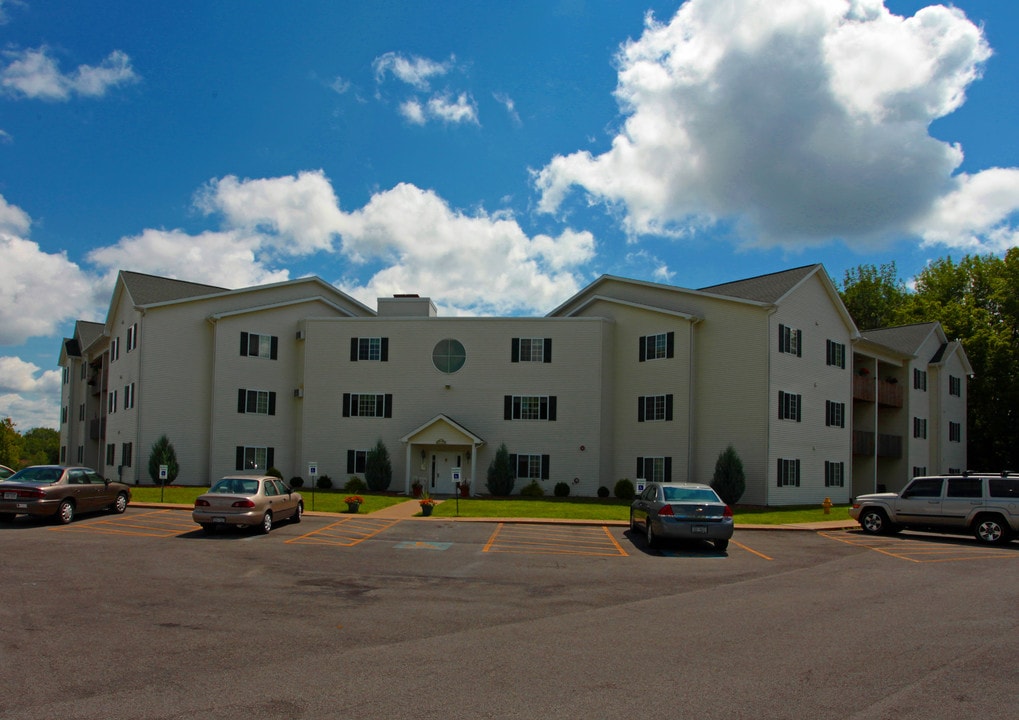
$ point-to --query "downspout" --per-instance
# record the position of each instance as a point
(691, 434)
(139, 386)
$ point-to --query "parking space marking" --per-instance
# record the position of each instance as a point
(554, 540)
(423, 545)
(344, 533)
(741, 546)
(156, 523)
(921, 550)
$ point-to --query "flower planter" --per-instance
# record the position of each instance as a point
(353, 507)
(426, 510)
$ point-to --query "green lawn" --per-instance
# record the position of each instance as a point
(515, 507)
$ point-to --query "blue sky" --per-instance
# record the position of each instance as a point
(494, 156)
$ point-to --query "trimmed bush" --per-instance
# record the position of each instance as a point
(378, 470)
(532, 490)
(274, 473)
(603, 492)
(324, 482)
(561, 490)
(624, 489)
(501, 476)
(355, 485)
(297, 482)
(729, 481)
(163, 454)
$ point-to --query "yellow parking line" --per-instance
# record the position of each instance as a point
(916, 552)
(130, 525)
(750, 550)
(554, 541)
(344, 533)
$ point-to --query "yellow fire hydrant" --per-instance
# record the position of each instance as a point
(827, 506)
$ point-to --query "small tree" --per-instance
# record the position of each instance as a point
(500, 473)
(163, 453)
(729, 480)
(378, 470)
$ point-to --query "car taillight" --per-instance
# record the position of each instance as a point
(666, 510)
(244, 504)
(201, 503)
(727, 512)
(29, 493)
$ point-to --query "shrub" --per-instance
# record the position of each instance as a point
(163, 454)
(500, 473)
(532, 490)
(355, 485)
(729, 481)
(561, 490)
(624, 489)
(378, 470)
(297, 482)
(274, 473)
(603, 492)
(324, 482)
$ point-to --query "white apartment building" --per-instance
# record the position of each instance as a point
(627, 379)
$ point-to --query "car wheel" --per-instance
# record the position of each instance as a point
(721, 545)
(6, 517)
(266, 525)
(633, 525)
(298, 513)
(874, 522)
(991, 530)
(120, 504)
(65, 513)
(649, 532)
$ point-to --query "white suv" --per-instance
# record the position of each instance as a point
(986, 506)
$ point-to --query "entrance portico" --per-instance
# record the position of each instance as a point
(434, 449)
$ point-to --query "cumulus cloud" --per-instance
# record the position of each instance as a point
(799, 125)
(34, 74)
(19, 376)
(415, 71)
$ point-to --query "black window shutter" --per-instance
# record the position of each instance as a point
(543, 408)
(274, 345)
(668, 469)
(544, 467)
(640, 408)
(244, 346)
(270, 458)
(388, 406)
(670, 344)
(668, 406)
(513, 464)
(551, 407)
(799, 343)
(781, 338)
(242, 396)
(385, 349)
(272, 403)
(516, 408)
(515, 350)
(797, 472)
(350, 461)
(641, 349)
(239, 465)
(780, 472)
(799, 404)
(346, 404)
(507, 407)
(548, 350)
(640, 467)
(781, 404)
(353, 349)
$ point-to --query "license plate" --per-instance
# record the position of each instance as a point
(10, 496)
(218, 520)
(699, 529)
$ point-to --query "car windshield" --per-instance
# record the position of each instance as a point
(689, 494)
(37, 475)
(235, 486)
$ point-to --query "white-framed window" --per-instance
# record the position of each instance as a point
(129, 396)
(836, 354)
(111, 402)
(954, 432)
(790, 340)
(261, 346)
(132, 337)
(357, 460)
(530, 466)
(920, 428)
(954, 386)
(919, 379)
(114, 349)
(654, 408)
(63, 415)
(920, 471)
(256, 402)
(66, 376)
(655, 468)
(81, 454)
(529, 407)
(789, 406)
(111, 454)
(81, 412)
(657, 347)
(834, 414)
(537, 350)
(126, 452)
(367, 405)
(254, 458)
(372, 349)
(788, 472)
(834, 474)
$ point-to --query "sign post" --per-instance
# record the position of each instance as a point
(456, 488)
(164, 472)
(313, 474)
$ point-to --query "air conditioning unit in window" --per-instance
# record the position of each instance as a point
(299, 393)
(300, 334)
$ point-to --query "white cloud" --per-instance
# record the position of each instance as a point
(32, 410)
(19, 376)
(35, 74)
(415, 71)
(13, 219)
(511, 107)
(802, 121)
(977, 215)
(448, 110)
(413, 111)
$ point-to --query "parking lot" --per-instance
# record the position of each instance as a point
(143, 615)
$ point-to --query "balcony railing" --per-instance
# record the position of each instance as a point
(887, 393)
(889, 446)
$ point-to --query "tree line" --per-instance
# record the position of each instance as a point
(976, 302)
(38, 446)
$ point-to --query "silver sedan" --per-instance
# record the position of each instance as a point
(247, 500)
(681, 510)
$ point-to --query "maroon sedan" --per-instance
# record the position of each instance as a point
(59, 492)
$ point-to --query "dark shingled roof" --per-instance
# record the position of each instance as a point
(905, 339)
(87, 332)
(763, 288)
(150, 289)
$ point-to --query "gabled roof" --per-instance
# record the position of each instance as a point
(149, 289)
(905, 339)
(764, 288)
(443, 421)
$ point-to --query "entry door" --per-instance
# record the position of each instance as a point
(442, 471)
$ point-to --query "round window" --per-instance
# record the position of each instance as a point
(449, 355)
